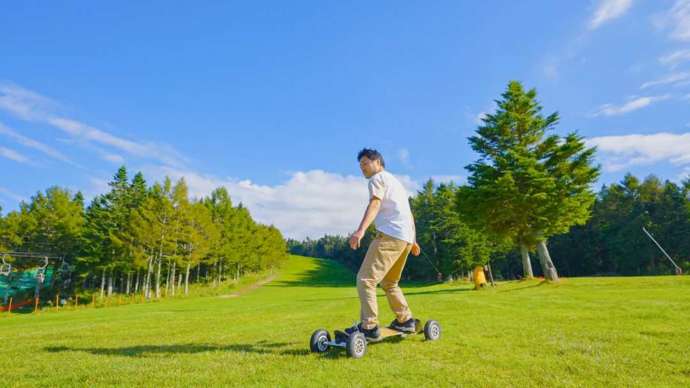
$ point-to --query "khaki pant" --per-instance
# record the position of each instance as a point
(383, 264)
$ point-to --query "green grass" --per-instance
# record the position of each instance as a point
(581, 332)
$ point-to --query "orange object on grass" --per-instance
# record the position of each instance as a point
(479, 277)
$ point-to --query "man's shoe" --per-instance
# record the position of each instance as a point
(408, 326)
(370, 334)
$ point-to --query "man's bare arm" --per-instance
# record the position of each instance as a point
(369, 216)
(416, 250)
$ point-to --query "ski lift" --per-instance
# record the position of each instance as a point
(5, 267)
(41, 271)
(677, 269)
(64, 272)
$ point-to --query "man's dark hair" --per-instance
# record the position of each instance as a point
(371, 154)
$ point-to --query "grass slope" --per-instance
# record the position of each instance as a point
(585, 331)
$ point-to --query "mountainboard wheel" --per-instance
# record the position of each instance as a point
(432, 330)
(319, 341)
(356, 345)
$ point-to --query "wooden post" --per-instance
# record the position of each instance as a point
(57, 302)
(491, 275)
(9, 309)
(36, 305)
(93, 300)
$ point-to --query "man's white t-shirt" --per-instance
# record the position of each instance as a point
(395, 216)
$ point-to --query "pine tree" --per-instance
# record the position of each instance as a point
(527, 186)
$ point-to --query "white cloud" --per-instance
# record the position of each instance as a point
(96, 186)
(404, 156)
(551, 70)
(671, 79)
(675, 58)
(23, 103)
(31, 143)
(608, 10)
(114, 158)
(311, 203)
(109, 156)
(10, 194)
(570, 55)
(13, 155)
(676, 20)
(31, 106)
(479, 117)
(619, 152)
(685, 174)
(633, 104)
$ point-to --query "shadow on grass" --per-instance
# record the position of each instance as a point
(442, 291)
(330, 273)
(261, 347)
(541, 283)
(142, 351)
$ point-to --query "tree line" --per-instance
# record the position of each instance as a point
(530, 191)
(143, 239)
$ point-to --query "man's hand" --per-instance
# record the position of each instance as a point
(356, 238)
(416, 249)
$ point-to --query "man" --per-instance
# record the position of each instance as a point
(389, 209)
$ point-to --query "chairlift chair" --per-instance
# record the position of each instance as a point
(5, 267)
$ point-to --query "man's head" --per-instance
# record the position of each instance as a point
(370, 162)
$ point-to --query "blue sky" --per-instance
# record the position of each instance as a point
(274, 100)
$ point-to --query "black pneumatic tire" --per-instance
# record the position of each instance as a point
(319, 341)
(432, 330)
(356, 345)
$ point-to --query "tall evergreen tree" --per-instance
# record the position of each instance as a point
(527, 186)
